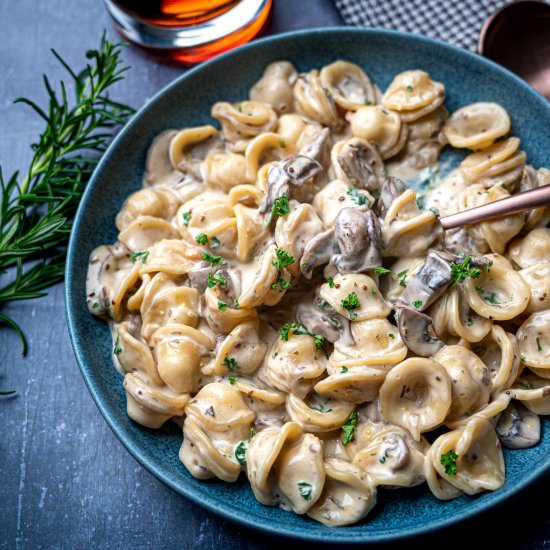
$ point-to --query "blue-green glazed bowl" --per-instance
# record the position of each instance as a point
(187, 102)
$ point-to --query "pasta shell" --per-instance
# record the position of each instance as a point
(293, 365)
(348, 495)
(377, 342)
(355, 384)
(150, 405)
(470, 380)
(538, 279)
(479, 462)
(416, 395)
(532, 249)
(275, 86)
(477, 125)
(348, 84)
(300, 473)
(411, 91)
(241, 352)
(183, 142)
(323, 417)
(225, 170)
(499, 293)
(312, 100)
(261, 455)
(145, 231)
(393, 459)
(369, 303)
(534, 340)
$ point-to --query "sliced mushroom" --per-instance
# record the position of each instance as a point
(318, 252)
(518, 427)
(361, 163)
(390, 190)
(430, 282)
(293, 171)
(320, 318)
(357, 235)
(198, 279)
(317, 149)
(417, 332)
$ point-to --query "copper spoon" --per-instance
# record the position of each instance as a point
(510, 205)
(517, 36)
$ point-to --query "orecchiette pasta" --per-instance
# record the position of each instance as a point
(280, 293)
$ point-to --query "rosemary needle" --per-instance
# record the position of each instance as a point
(37, 208)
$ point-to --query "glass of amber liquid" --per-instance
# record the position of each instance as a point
(188, 31)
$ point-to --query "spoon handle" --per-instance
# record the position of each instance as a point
(510, 205)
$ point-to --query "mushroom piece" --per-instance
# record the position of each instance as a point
(318, 252)
(390, 190)
(352, 246)
(361, 163)
(198, 278)
(357, 235)
(429, 282)
(318, 149)
(293, 171)
(518, 427)
(320, 318)
(417, 332)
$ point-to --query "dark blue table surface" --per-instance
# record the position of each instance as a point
(65, 481)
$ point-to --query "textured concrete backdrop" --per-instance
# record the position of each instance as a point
(66, 482)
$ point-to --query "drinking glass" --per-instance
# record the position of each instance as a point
(188, 31)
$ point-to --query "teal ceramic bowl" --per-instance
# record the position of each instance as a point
(187, 102)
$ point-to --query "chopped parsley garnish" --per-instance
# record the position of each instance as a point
(240, 452)
(282, 143)
(319, 341)
(491, 297)
(186, 218)
(351, 302)
(356, 197)
(367, 102)
(343, 370)
(236, 304)
(95, 305)
(330, 282)
(141, 256)
(391, 335)
(230, 363)
(348, 429)
(480, 289)
(251, 433)
(284, 259)
(300, 330)
(232, 380)
(222, 306)
(216, 279)
(280, 208)
(539, 347)
(321, 408)
(214, 260)
(305, 489)
(382, 460)
(117, 350)
(373, 290)
(381, 270)
(202, 239)
(461, 271)
(281, 284)
(409, 88)
(417, 304)
(402, 277)
(421, 202)
(215, 243)
(449, 461)
(527, 386)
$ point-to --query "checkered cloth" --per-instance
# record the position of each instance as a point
(456, 21)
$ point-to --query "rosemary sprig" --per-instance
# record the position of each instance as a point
(36, 211)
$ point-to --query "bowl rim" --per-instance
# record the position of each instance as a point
(241, 517)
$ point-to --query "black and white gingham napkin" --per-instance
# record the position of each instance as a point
(456, 21)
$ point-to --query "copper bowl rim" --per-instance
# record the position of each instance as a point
(492, 18)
